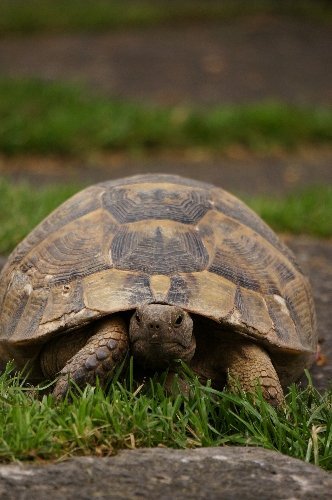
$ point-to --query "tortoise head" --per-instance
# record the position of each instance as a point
(160, 334)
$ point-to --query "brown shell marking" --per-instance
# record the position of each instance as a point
(156, 239)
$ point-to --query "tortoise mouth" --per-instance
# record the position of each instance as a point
(152, 353)
(169, 343)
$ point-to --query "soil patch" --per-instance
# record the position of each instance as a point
(236, 170)
(315, 257)
(236, 61)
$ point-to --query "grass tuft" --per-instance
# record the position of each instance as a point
(128, 415)
(43, 117)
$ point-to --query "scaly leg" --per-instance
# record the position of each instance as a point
(102, 353)
(250, 365)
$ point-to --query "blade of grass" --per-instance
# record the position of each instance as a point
(100, 422)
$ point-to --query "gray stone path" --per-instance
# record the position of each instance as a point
(227, 473)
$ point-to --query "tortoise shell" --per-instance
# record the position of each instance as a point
(154, 238)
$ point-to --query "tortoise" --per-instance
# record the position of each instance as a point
(163, 268)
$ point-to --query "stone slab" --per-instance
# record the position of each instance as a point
(159, 473)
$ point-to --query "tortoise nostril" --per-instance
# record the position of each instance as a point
(154, 326)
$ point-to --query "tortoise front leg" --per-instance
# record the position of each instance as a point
(101, 354)
(250, 365)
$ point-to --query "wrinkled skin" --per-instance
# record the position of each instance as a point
(160, 334)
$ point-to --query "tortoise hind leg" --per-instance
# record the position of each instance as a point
(250, 365)
(99, 355)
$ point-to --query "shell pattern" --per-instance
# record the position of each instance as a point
(155, 238)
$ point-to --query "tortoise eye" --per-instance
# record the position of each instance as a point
(138, 319)
(178, 320)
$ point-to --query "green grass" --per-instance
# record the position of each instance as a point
(40, 117)
(307, 211)
(28, 16)
(128, 415)
(22, 206)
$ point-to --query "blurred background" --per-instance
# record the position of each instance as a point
(232, 92)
